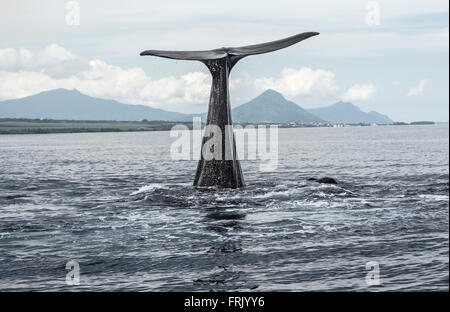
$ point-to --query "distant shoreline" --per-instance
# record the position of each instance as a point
(47, 126)
(42, 126)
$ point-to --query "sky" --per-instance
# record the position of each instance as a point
(387, 56)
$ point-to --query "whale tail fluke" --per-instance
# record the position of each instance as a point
(236, 52)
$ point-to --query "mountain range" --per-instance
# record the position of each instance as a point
(72, 105)
(270, 107)
(347, 113)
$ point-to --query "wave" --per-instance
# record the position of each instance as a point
(155, 186)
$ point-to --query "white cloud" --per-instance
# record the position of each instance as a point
(53, 60)
(8, 58)
(54, 54)
(191, 88)
(301, 82)
(197, 87)
(359, 92)
(416, 91)
(25, 59)
(24, 83)
(132, 85)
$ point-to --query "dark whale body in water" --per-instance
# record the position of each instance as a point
(324, 180)
(224, 171)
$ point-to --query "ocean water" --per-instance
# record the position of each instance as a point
(120, 207)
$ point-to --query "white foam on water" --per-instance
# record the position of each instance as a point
(279, 194)
(4, 234)
(435, 197)
(148, 188)
(154, 186)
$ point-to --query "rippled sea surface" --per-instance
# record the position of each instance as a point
(119, 206)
